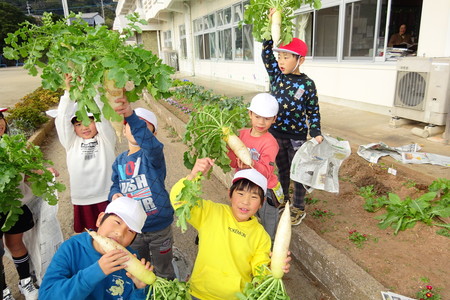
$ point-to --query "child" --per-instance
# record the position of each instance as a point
(80, 269)
(14, 237)
(263, 148)
(298, 107)
(139, 173)
(232, 242)
(90, 154)
(18, 250)
(3, 123)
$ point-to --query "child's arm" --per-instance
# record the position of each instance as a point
(143, 136)
(312, 112)
(64, 276)
(268, 58)
(63, 124)
(114, 191)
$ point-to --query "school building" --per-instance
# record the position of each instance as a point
(349, 57)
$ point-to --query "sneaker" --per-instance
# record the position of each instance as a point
(297, 215)
(27, 288)
(7, 294)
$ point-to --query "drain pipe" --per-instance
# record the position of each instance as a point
(189, 36)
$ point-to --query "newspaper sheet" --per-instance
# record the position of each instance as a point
(316, 166)
(407, 154)
(393, 296)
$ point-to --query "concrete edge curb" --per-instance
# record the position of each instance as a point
(39, 136)
(340, 275)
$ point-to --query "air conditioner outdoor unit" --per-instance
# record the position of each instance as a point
(422, 92)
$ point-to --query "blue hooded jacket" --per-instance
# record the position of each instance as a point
(74, 273)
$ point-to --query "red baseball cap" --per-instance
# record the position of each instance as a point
(296, 46)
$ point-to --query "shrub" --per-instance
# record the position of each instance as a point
(29, 113)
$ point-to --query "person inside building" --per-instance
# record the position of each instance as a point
(400, 38)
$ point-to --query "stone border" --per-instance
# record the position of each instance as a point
(342, 277)
(39, 136)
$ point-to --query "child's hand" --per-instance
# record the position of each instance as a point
(139, 284)
(115, 196)
(271, 12)
(123, 107)
(112, 261)
(67, 79)
(201, 165)
(241, 165)
(287, 266)
(53, 171)
(319, 138)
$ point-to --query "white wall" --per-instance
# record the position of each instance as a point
(435, 29)
(364, 86)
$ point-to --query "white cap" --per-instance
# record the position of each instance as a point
(252, 175)
(265, 105)
(130, 211)
(147, 116)
(75, 108)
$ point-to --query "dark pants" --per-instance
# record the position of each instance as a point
(156, 247)
(284, 161)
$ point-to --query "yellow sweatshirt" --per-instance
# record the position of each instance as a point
(229, 251)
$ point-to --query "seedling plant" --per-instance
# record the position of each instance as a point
(428, 292)
(357, 238)
(404, 214)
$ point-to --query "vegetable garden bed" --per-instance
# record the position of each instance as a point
(400, 262)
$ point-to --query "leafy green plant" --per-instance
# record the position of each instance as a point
(410, 183)
(428, 292)
(257, 14)
(94, 56)
(263, 286)
(20, 158)
(321, 213)
(310, 201)
(190, 196)
(207, 130)
(442, 187)
(357, 238)
(372, 203)
(404, 214)
(444, 232)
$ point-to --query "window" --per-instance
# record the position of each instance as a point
(225, 49)
(326, 32)
(356, 29)
(168, 39)
(359, 29)
(218, 36)
(183, 43)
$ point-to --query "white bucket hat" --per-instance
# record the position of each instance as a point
(265, 105)
(130, 211)
(252, 175)
(147, 116)
(75, 108)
